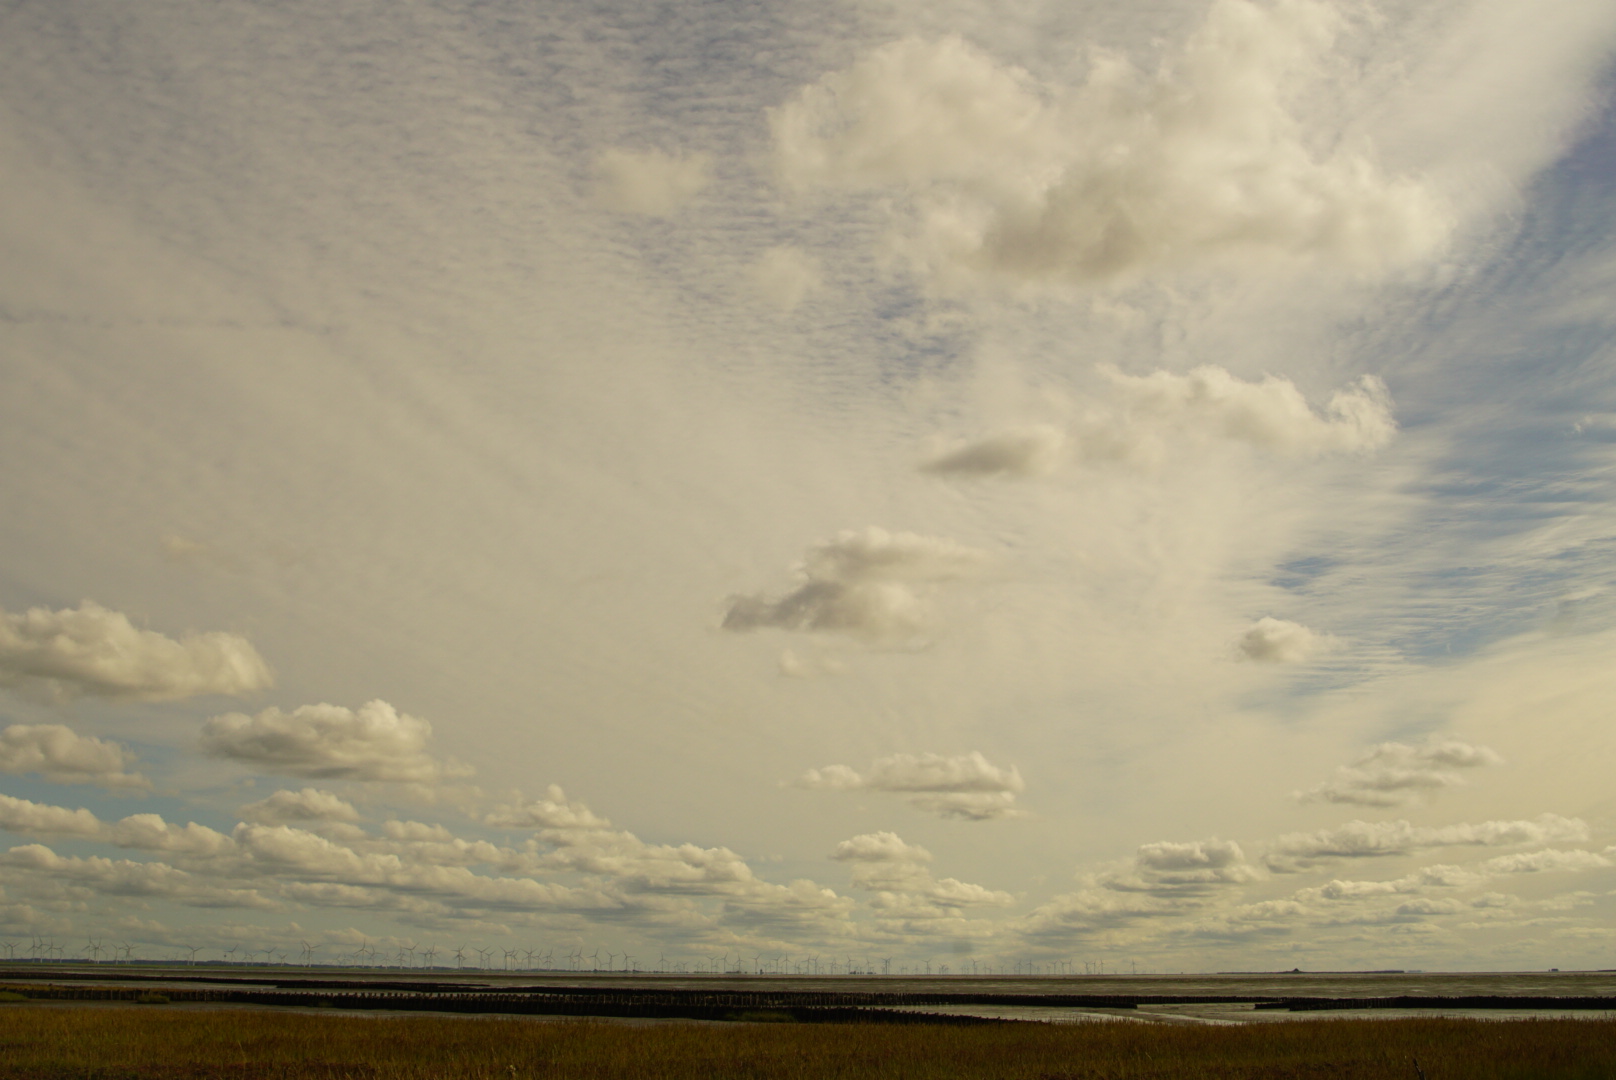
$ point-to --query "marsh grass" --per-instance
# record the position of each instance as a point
(57, 1043)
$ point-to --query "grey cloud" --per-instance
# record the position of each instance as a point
(1199, 162)
(58, 753)
(1394, 773)
(93, 651)
(374, 742)
(866, 584)
(1035, 451)
(966, 786)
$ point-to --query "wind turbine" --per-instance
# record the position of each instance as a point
(460, 957)
(482, 957)
(431, 954)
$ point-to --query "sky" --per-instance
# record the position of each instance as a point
(1004, 486)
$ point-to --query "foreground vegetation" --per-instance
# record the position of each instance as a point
(63, 1043)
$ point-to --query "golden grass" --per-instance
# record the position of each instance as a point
(65, 1043)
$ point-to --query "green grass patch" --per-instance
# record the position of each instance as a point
(108, 1043)
(12, 995)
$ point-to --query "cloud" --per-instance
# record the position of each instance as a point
(93, 651)
(1278, 641)
(1269, 413)
(58, 753)
(786, 276)
(1137, 418)
(1172, 868)
(22, 816)
(1548, 860)
(864, 584)
(649, 182)
(1198, 162)
(967, 786)
(1035, 451)
(1366, 839)
(885, 863)
(310, 804)
(553, 811)
(881, 847)
(375, 742)
(1395, 773)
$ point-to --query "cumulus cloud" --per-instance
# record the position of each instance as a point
(649, 181)
(373, 742)
(553, 811)
(1278, 641)
(967, 786)
(868, 585)
(1182, 868)
(1370, 839)
(1392, 774)
(58, 753)
(1198, 162)
(23, 816)
(895, 869)
(310, 804)
(1136, 419)
(90, 650)
(786, 276)
(1547, 860)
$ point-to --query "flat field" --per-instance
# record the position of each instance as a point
(46, 1042)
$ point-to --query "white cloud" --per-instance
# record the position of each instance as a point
(1278, 641)
(373, 742)
(123, 877)
(881, 847)
(1174, 868)
(1199, 162)
(1270, 413)
(1547, 860)
(965, 786)
(149, 832)
(58, 753)
(865, 584)
(1395, 773)
(1367, 839)
(91, 650)
(886, 864)
(786, 276)
(310, 804)
(553, 811)
(649, 182)
(22, 816)
(1138, 419)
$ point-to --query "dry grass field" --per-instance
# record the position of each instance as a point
(40, 1042)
